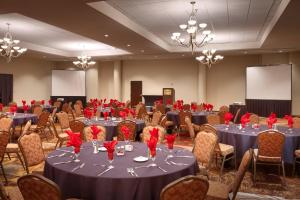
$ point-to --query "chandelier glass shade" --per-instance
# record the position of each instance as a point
(209, 58)
(198, 35)
(9, 47)
(84, 62)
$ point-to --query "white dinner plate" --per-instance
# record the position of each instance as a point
(140, 159)
(102, 149)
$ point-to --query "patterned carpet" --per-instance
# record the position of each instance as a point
(267, 184)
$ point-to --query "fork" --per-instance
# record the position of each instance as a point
(179, 164)
(129, 171)
(133, 172)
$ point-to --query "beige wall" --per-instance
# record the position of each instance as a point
(31, 78)
(106, 80)
(181, 74)
(295, 61)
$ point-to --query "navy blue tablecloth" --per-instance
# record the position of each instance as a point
(22, 118)
(198, 118)
(242, 141)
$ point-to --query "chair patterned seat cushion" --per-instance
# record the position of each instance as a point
(63, 135)
(48, 146)
(266, 158)
(217, 191)
(226, 149)
(14, 193)
(297, 153)
(12, 147)
(169, 123)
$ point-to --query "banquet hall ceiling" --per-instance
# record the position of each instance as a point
(67, 28)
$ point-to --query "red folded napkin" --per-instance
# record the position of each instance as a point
(87, 113)
(13, 109)
(154, 133)
(112, 112)
(245, 119)
(110, 146)
(132, 112)
(170, 140)
(50, 102)
(43, 102)
(194, 107)
(228, 117)
(25, 108)
(1, 107)
(104, 100)
(32, 102)
(95, 131)
(169, 101)
(272, 119)
(74, 140)
(125, 130)
(123, 114)
(105, 114)
(105, 105)
(175, 107)
(23, 102)
(152, 146)
(210, 107)
(290, 120)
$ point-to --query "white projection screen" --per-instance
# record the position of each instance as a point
(269, 82)
(68, 83)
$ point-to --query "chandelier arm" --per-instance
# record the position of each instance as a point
(202, 43)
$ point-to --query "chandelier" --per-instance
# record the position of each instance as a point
(193, 28)
(9, 47)
(208, 58)
(84, 62)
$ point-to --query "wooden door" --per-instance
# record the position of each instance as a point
(6, 88)
(136, 91)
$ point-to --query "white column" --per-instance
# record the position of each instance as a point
(117, 80)
(91, 82)
(201, 83)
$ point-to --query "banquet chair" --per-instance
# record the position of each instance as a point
(182, 115)
(88, 136)
(200, 108)
(186, 188)
(221, 191)
(79, 102)
(5, 109)
(186, 107)
(128, 104)
(132, 128)
(254, 119)
(270, 150)
(155, 119)
(65, 108)
(224, 109)
(63, 120)
(61, 137)
(37, 109)
(203, 149)
(42, 124)
(77, 126)
(6, 124)
(12, 104)
(223, 151)
(161, 108)
(296, 122)
(221, 115)
(53, 114)
(296, 160)
(213, 119)
(57, 104)
(192, 128)
(236, 117)
(11, 193)
(4, 138)
(165, 123)
(78, 110)
(32, 150)
(145, 136)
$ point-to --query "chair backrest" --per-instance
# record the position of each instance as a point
(26, 127)
(270, 145)
(3, 193)
(190, 127)
(54, 112)
(204, 146)
(128, 104)
(221, 115)
(239, 175)
(186, 107)
(12, 104)
(6, 124)
(161, 108)
(156, 118)
(254, 119)
(89, 136)
(236, 117)
(32, 149)
(200, 107)
(142, 113)
(224, 109)
(5, 109)
(37, 110)
(57, 104)
(79, 102)
(132, 128)
(213, 119)
(37, 187)
(4, 138)
(163, 121)
(146, 133)
(63, 120)
(77, 127)
(65, 108)
(43, 119)
(78, 111)
(185, 188)
(296, 122)
(182, 116)
(211, 129)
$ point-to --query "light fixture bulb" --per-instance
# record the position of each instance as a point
(183, 26)
(202, 25)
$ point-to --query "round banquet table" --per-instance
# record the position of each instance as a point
(22, 118)
(111, 126)
(48, 108)
(242, 141)
(117, 184)
(198, 118)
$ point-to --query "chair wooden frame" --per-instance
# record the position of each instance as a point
(4, 141)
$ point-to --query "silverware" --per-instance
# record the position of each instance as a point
(150, 165)
(64, 150)
(99, 165)
(183, 156)
(78, 167)
(129, 171)
(179, 164)
(133, 172)
(162, 169)
(65, 162)
(59, 155)
(109, 168)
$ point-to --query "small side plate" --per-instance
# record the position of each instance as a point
(140, 159)
(102, 149)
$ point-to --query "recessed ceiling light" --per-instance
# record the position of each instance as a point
(280, 51)
(106, 35)
(182, 55)
(128, 45)
(245, 52)
(155, 56)
(142, 51)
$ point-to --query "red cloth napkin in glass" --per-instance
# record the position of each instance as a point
(245, 119)
(1, 107)
(95, 131)
(170, 140)
(194, 107)
(175, 107)
(125, 130)
(290, 120)
(50, 102)
(32, 102)
(132, 112)
(74, 140)
(272, 119)
(25, 108)
(13, 109)
(112, 112)
(152, 145)
(154, 133)
(228, 117)
(43, 102)
(110, 146)
(169, 101)
(123, 114)
(87, 113)
(105, 114)
(23, 102)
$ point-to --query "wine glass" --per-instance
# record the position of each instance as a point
(110, 156)
(95, 146)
